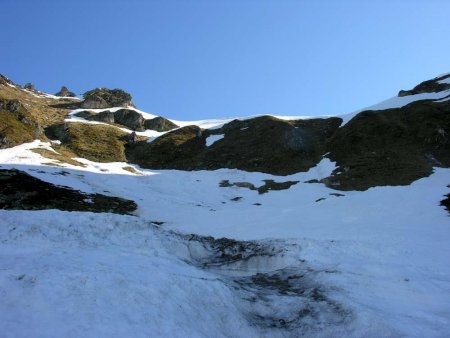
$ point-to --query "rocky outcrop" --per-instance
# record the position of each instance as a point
(392, 146)
(159, 124)
(175, 150)
(130, 119)
(21, 191)
(100, 98)
(64, 92)
(430, 86)
(265, 144)
(29, 86)
(16, 124)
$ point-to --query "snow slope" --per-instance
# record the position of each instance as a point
(379, 258)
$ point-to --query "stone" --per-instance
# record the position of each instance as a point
(130, 119)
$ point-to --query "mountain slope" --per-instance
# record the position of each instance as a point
(227, 252)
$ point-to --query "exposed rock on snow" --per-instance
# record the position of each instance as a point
(20, 191)
(106, 98)
(392, 146)
(64, 92)
(431, 86)
(159, 124)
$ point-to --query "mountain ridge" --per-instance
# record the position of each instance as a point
(409, 135)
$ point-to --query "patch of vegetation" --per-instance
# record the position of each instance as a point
(95, 142)
(267, 145)
(175, 150)
(63, 155)
(391, 147)
(16, 125)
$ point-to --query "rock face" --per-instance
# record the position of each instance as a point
(159, 124)
(64, 92)
(430, 86)
(20, 191)
(100, 98)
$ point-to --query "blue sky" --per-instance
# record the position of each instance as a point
(205, 59)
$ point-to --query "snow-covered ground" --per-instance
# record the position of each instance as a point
(367, 264)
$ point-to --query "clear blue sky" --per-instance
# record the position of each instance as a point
(199, 59)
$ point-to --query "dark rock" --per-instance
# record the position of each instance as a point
(130, 119)
(391, 147)
(430, 86)
(446, 202)
(20, 191)
(268, 185)
(313, 181)
(29, 86)
(104, 116)
(64, 92)
(177, 149)
(267, 145)
(160, 124)
(100, 98)
(272, 185)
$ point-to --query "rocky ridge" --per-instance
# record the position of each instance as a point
(377, 147)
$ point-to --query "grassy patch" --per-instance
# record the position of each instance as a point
(14, 132)
(63, 156)
(96, 142)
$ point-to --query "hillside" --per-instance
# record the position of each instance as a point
(118, 222)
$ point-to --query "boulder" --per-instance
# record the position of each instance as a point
(130, 119)
(100, 98)
(159, 124)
